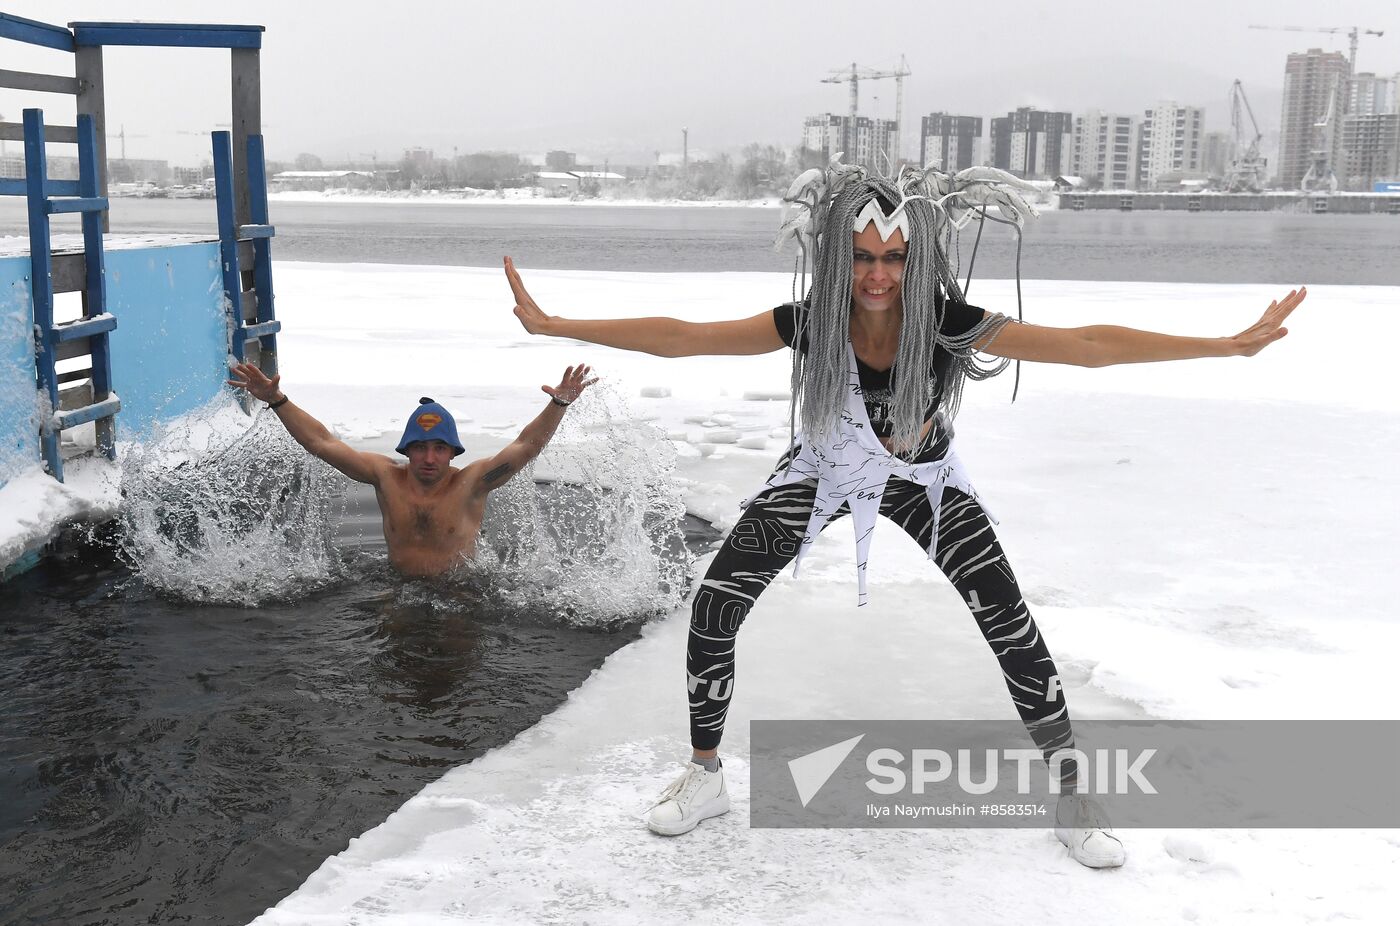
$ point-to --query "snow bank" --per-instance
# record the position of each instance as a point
(34, 506)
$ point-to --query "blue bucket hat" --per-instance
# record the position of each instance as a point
(430, 421)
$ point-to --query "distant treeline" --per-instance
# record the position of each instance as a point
(757, 171)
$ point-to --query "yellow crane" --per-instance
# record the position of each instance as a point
(855, 75)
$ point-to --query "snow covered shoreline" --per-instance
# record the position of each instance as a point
(513, 197)
(530, 197)
(1196, 540)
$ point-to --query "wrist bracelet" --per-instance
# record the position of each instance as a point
(560, 402)
(280, 402)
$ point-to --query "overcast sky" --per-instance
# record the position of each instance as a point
(618, 80)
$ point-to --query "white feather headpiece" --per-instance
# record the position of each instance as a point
(960, 197)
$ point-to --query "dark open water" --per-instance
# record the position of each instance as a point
(1244, 247)
(162, 762)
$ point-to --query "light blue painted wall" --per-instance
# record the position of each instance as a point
(169, 351)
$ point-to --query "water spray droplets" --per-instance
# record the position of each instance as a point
(217, 510)
(604, 542)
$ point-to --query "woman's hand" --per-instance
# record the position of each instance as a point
(253, 380)
(1269, 328)
(576, 379)
(526, 309)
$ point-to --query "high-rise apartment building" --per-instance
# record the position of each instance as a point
(869, 143)
(1314, 86)
(950, 143)
(1102, 149)
(1032, 143)
(1369, 95)
(1370, 142)
(1371, 149)
(1217, 153)
(875, 144)
(825, 133)
(1170, 141)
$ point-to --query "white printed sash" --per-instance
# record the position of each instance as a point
(852, 468)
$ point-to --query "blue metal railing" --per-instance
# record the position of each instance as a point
(264, 326)
(97, 323)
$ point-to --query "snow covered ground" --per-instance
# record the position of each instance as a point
(1211, 539)
(1206, 539)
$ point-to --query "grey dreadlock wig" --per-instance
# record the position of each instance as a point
(822, 207)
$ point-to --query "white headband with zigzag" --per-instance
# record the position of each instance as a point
(885, 225)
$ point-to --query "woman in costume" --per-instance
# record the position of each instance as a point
(874, 439)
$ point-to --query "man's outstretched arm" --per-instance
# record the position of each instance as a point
(306, 430)
(496, 471)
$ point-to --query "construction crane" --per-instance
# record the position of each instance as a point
(1354, 34)
(855, 75)
(1247, 168)
(1320, 175)
(123, 136)
(1321, 178)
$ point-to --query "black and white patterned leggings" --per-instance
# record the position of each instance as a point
(767, 538)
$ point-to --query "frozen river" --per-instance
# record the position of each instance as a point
(1167, 247)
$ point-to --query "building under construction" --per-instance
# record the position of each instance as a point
(874, 143)
(862, 140)
(1313, 86)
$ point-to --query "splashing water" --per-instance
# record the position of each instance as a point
(604, 542)
(217, 510)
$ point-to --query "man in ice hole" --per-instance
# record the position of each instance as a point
(432, 510)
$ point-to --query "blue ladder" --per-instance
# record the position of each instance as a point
(88, 335)
(263, 326)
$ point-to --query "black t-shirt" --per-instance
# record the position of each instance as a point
(878, 385)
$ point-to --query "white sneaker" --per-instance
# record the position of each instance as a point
(1082, 827)
(696, 795)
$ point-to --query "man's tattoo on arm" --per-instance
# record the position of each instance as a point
(499, 474)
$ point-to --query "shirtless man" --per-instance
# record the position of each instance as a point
(432, 510)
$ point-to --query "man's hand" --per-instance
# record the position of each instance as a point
(526, 308)
(576, 379)
(496, 471)
(1269, 328)
(253, 380)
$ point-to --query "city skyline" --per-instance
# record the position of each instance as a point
(622, 85)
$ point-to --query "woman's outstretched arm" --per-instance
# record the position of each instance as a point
(664, 337)
(1106, 345)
